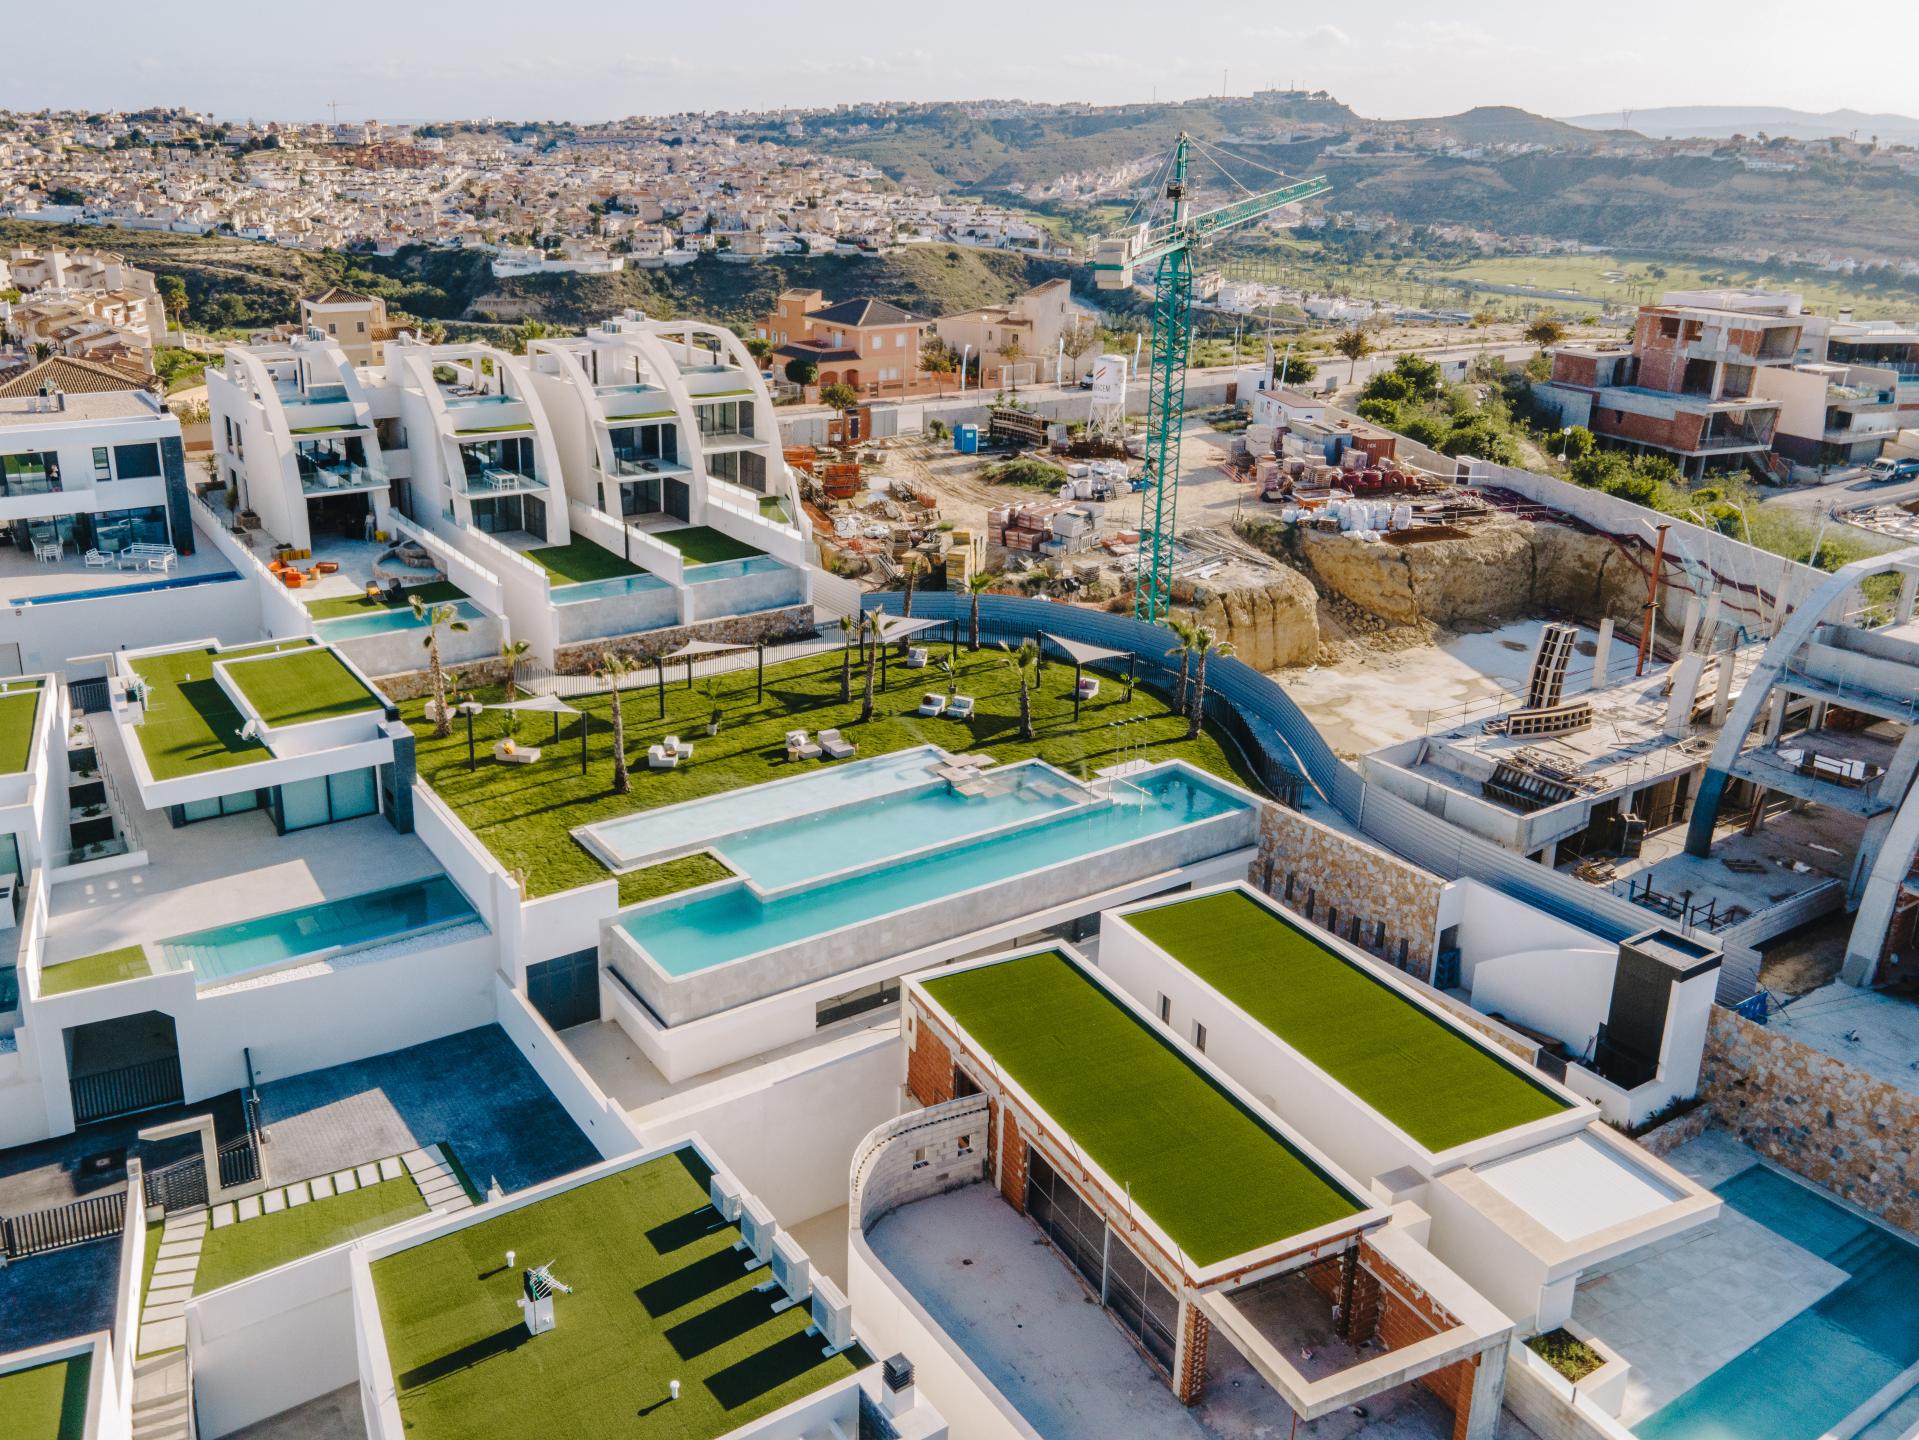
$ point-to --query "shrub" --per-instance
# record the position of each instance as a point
(1570, 1356)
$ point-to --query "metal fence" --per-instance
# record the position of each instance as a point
(97, 1217)
(179, 1186)
(87, 696)
(145, 1086)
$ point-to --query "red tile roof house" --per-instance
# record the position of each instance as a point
(868, 344)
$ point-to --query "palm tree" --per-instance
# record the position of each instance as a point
(433, 617)
(1023, 660)
(912, 564)
(849, 627)
(1205, 642)
(977, 584)
(513, 652)
(874, 626)
(612, 667)
(1183, 633)
(1355, 344)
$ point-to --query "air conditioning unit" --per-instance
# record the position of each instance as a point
(792, 1272)
(725, 1193)
(756, 1232)
(832, 1316)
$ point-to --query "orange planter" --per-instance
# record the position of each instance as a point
(292, 579)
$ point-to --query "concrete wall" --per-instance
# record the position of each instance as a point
(771, 626)
(51, 633)
(1549, 1404)
(745, 594)
(1815, 1114)
(636, 610)
(395, 652)
(603, 1121)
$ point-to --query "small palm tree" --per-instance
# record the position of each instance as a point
(1023, 660)
(613, 667)
(912, 566)
(1355, 344)
(977, 584)
(434, 617)
(874, 626)
(849, 628)
(513, 652)
(1205, 642)
(1183, 633)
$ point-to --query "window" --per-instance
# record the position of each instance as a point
(1165, 1009)
(1332, 918)
(136, 462)
(1199, 1037)
(217, 806)
(919, 1157)
(899, 342)
(103, 462)
(966, 1144)
(1291, 876)
(856, 1002)
(362, 326)
(1379, 935)
(325, 800)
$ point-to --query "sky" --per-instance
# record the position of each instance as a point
(568, 60)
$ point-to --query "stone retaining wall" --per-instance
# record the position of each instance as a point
(794, 622)
(1662, 1140)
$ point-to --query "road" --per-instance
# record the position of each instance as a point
(1841, 494)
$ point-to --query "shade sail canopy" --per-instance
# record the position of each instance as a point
(1083, 654)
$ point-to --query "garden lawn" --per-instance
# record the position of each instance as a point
(1427, 1078)
(247, 1247)
(581, 561)
(46, 1402)
(659, 1294)
(703, 545)
(127, 963)
(17, 712)
(302, 686)
(440, 592)
(191, 726)
(1214, 1176)
(524, 813)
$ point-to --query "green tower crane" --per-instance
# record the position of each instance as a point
(1168, 248)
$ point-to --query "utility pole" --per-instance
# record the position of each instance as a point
(1651, 615)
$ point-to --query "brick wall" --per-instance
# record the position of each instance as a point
(1815, 1114)
(1195, 1335)
(1012, 1158)
(1408, 1315)
(1330, 871)
(929, 1065)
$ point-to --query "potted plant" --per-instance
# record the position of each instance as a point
(715, 712)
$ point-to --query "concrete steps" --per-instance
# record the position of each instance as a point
(163, 1398)
(438, 1184)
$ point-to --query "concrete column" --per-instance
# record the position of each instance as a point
(1487, 1393)
(1776, 717)
(1602, 654)
(1818, 715)
(1710, 624)
(1722, 695)
(1691, 630)
(1685, 689)
(1908, 594)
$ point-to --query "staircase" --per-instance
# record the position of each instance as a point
(163, 1397)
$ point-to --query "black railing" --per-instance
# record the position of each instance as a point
(239, 1162)
(146, 1086)
(87, 695)
(98, 1217)
(179, 1186)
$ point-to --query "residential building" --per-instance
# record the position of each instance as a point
(868, 344)
(1880, 345)
(1034, 325)
(354, 322)
(1832, 414)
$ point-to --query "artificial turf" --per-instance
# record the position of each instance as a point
(17, 711)
(127, 963)
(46, 1402)
(438, 593)
(1214, 1176)
(248, 1247)
(581, 561)
(302, 686)
(1422, 1075)
(525, 814)
(703, 545)
(191, 726)
(659, 1294)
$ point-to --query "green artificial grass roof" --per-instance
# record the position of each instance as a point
(703, 545)
(581, 561)
(302, 686)
(1215, 1177)
(438, 593)
(191, 726)
(1421, 1074)
(17, 711)
(46, 1402)
(247, 1247)
(127, 963)
(659, 1294)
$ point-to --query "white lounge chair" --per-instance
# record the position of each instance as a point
(658, 757)
(799, 746)
(1088, 688)
(916, 658)
(960, 708)
(835, 745)
(99, 560)
(516, 755)
(677, 747)
(932, 703)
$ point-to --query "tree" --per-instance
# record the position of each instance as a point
(613, 666)
(1011, 352)
(434, 617)
(977, 584)
(1545, 331)
(759, 347)
(1023, 660)
(1355, 344)
(173, 294)
(1205, 643)
(1076, 339)
(844, 399)
(1576, 443)
(912, 564)
(849, 627)
(1183, 634)
(875, 627)
(513, 652)
(802, 372)
(527, 333)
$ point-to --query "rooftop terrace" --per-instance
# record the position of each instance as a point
(19, 704)
(47, 1402)
(192, 725)
(1219, 1180)
(580, 562)
(659, 1293)
(1422, 1075)
(301, 686)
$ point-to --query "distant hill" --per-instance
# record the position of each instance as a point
(1719, 122)
(1509, 125)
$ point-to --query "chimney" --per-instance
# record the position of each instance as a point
(896, 1385)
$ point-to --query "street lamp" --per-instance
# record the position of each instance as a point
(469, 708)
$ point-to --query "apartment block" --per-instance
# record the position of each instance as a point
(1034, 324)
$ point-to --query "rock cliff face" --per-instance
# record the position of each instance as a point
(1271, 626)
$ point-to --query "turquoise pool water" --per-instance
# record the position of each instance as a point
(732, 569)
(330, 926)
(1820, 1366)
(611, 587)
(690, 935)
(381, 622)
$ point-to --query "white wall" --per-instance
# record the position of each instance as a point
(1485, 1256)
(1564, 993)
(51, 634)
(604, 1122)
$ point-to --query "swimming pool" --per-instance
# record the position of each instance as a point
(684, 936)
(610, 588)
(732, 569)
(1812, 1372)
(382, 622)
(321, 930)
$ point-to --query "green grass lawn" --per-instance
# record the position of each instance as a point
(17, 712)
(581, 561)
(658, 1294)
(127, 963)
(302, 686)
(524, 813)
(46, 1402)
(703, 545)
(439, 592)
(1215, 1177)
(1421, 1074)
(236, 1251)
(191, 726)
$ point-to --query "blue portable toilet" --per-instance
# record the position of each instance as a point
(1336, 446)
(966, 439)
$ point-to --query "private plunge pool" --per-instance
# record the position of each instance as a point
(321, 931)
(381, 622)
(1027, 838)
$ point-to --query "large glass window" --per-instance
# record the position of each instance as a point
(218, 805)
(136, 462)
(303, 804)
(326, 799)
(114, 530)
(36, 472)
(351, 793)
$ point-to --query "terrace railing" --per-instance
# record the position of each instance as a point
(96, 1217)
(145, 1086)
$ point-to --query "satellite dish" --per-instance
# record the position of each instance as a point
(250, 730)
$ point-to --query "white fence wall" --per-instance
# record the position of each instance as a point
(604, 1122)
(462, 569)
(280, 615)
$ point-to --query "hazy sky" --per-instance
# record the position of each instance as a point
(563, 59)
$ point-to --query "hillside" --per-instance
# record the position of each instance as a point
(1720, 122)
(1509, 125)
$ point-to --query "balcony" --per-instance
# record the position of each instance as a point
(628, 403)
(498, 480)
(716, 382)
(15, 484)
(642, 467)
(342, 479)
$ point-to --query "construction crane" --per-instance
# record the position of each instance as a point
(1169, 248)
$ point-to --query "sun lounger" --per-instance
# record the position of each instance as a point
(800, 747)
(932, 703)
(960, 708)
(835, 745)
(916, 658)
(658, 757)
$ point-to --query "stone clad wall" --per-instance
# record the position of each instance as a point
(1815, 1114)
(771, 626)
